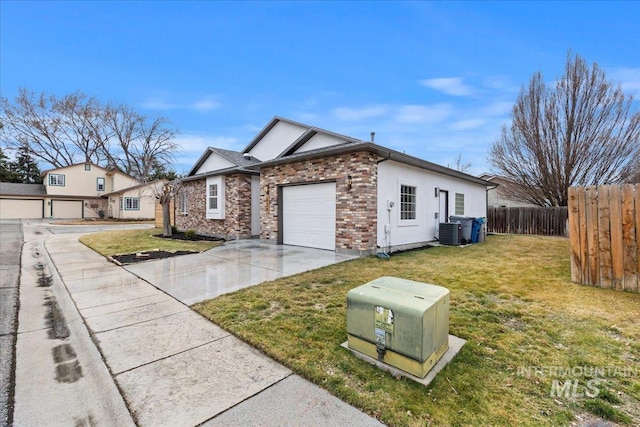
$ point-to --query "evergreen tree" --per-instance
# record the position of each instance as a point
(26, 168)
(7, 174)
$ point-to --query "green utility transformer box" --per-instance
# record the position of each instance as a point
(400, 322)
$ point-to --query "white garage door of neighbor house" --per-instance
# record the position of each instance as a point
(66, 209)
(24, 209)
(309, 215)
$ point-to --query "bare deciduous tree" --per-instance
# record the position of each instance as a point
(460, 165)
(582, 131)
(62, 131)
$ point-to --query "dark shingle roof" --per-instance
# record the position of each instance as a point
(235, 157)
(17, 189)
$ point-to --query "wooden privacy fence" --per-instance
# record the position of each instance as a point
(528, 220)
(604, 226)
(172, 214)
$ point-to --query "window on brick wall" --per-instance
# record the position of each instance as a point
(183, 201)
(215, 197)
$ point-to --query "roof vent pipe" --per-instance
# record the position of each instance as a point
(373, 136)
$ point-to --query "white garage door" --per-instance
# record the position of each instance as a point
(309, 215)
(66, 208)
(16, 208)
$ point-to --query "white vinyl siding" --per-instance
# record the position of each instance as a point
(56, 179)
(459, 204)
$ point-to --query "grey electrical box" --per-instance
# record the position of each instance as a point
(400, 322)
(450, 233)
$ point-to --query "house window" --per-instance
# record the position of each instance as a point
(459, 204)
(56, 179)
(131, 203)
(183, 201)
(100, 184)
(213, 196)
(87, 166)
(121, 203)
(407, 202)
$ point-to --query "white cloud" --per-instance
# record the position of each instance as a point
(468, 124)
(498, 108)
(423, 113)
(353, 114)
(158, 104)
(203, 105)
(449, 85)
(629, 79)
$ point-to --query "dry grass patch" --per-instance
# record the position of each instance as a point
(511, 299)
(109, 243)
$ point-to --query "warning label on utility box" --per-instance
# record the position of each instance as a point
(384, 319)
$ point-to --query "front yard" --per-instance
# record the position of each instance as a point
(528, 331)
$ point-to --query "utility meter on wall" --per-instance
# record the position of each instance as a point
(390, 204)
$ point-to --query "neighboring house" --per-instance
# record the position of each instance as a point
(134, 202)
(76, 191)
(301, 185)
(22, 200)
(500, 194)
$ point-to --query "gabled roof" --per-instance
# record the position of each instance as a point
(309, 133)
(18, 189)
(382, 152)
(144, 184)
(234, 157)
(226, 171)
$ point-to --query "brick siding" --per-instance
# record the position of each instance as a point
(237, 221)
(356, 208)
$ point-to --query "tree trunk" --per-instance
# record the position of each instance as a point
(166, 218)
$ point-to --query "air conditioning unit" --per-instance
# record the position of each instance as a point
(450, 233)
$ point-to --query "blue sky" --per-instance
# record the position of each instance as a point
(432, 79)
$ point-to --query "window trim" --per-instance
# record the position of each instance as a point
(57, 176)
(183, 202)
(131, 199)
(455, 209)
(104, 184)
(401, 204)
(216, 212)
(87, 166)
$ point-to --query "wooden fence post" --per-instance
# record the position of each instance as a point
(629, 236)
(574, 233)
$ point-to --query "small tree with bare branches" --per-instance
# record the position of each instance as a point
(581, 131)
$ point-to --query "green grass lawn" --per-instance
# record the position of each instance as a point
(511, 299)
(109, 243)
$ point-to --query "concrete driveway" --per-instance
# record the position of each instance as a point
(228, 268)
(98, 345)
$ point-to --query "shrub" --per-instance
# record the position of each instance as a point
(190, 234)
(174, 229)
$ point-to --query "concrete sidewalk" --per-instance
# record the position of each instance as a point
(172, 366)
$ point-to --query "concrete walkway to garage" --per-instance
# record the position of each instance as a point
(228, 268)
(170, 365)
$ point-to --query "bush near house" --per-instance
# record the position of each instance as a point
(525, 324)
